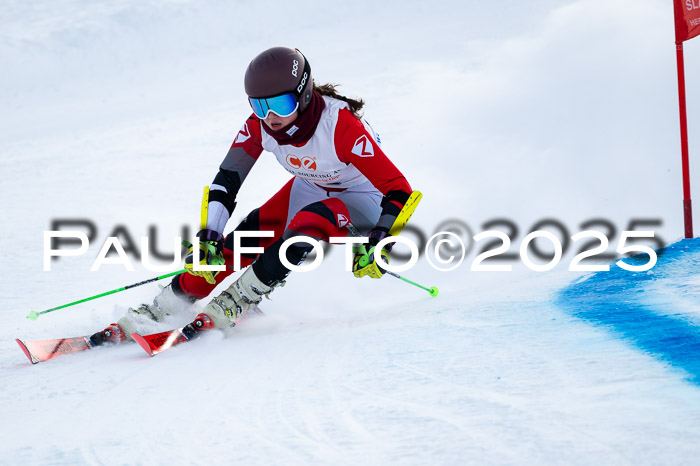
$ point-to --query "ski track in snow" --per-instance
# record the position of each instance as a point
(394, 385)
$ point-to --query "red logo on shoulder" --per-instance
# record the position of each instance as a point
(363, 147)
(243, 134)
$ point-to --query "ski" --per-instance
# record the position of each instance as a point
(159, 342)
(42, 350)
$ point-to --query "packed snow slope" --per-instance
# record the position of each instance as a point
(655, 310)
(548, 114)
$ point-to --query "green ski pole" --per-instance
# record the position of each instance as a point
(34, 315)
(432, 290)
(365, 260)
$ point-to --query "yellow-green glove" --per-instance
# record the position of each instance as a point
(211, 252)
(364, 262)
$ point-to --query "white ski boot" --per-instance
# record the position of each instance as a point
(164, 304)
(242, 296)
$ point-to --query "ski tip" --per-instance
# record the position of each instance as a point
(26, 351)
(142, 343)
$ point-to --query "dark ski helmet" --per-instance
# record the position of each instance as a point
(277, 71)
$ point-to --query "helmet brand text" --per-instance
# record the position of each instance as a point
(302, 83)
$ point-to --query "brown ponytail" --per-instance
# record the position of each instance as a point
(329, 90)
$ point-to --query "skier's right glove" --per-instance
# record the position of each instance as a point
(211, 252)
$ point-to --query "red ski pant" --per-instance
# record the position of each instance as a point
(322, 218)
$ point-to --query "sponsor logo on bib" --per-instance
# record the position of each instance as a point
(307, 163)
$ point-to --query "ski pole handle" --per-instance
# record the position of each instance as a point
(34, 315)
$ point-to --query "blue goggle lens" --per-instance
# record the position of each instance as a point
(283, 105)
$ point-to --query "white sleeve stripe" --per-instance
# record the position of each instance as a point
(217, 216)
(217, 187)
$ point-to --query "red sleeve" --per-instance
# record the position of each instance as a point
(355, 145)
(249, 138)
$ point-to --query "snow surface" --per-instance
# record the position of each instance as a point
(120, 112)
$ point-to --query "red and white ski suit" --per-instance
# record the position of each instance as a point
(340, 174)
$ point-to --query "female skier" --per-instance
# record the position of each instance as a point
(340, 175)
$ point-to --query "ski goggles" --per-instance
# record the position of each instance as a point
(281, 105)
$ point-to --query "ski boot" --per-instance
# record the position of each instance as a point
(168, 301)
(193, 329)
(165, 303)
(242, 296)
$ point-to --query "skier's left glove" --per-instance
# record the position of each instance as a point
(364, 262)
(211, 252)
